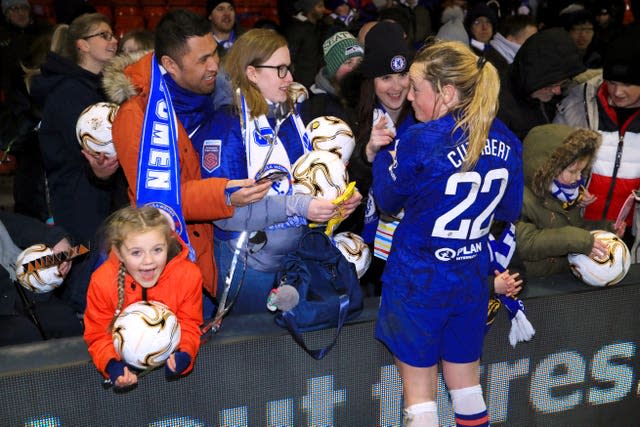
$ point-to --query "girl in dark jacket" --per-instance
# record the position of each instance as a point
(80, 184)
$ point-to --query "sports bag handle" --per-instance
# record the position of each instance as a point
(290, 323)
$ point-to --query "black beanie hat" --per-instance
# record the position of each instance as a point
(212, 4)
(385, 50)
(481, 9)
(622, 59)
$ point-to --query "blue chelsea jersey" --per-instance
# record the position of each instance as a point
(448, 213)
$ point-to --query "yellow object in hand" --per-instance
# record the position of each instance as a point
(338, 218)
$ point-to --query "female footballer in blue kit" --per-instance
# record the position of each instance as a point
(453, 174)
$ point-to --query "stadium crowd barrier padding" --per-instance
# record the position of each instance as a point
(581, 369)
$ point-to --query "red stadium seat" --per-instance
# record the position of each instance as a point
(44, 12)
(126, 23)
(153, 14)
(153, 2)
(104, 10)
(271, 4)
(200, 10)
(124, 2)
(248, 19)
(128, 11)
(151, 11)
(242, 10)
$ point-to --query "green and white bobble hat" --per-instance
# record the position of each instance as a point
(338, 48)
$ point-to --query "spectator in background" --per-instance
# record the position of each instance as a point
(514, 31)
(16, 38)
(383, 115)
(57, 319)
(342, 15)
(453, 25)
(225, 29)
(305, 36)
(136, 41)
(342, 54)
(481, 23)
(543, 66)
(439, 7)
(608, 22)
(403, 16)
(581, 27)
(364, 29)
(68, 10)
(556, 159)
(82, 186)
(20, 116)
(611, 107)
(222, 15)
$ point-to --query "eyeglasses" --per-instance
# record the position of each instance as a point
(106, 35)
(282, 69)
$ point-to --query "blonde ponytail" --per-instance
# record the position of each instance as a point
(453, 63)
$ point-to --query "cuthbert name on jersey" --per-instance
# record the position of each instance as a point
(493, 147)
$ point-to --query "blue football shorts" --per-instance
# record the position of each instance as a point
(445, 326)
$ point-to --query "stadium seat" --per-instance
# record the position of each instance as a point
(44, 11)
(127, 11)
(200, 10)
(104, 10)
(247, 20)
(152, 15)
(126, 23)
(124, 2)
(153, 2)
(271, 4)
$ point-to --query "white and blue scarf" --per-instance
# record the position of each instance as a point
(371, 216)
(568, 194)
(265, 151)
(158, 182)
(226, 44)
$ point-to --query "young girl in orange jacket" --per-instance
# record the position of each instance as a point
(147, 262)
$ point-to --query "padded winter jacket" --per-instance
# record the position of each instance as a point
(203, 200)
(179, 287)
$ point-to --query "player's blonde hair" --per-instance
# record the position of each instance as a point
(453, 63)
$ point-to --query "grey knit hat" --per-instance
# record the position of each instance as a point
(6, 4)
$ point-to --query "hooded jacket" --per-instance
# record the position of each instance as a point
(79, 200)
(587, 106)
(546, 232)
(127, 82)
(546, 58)
(179, 287)
(325, 100)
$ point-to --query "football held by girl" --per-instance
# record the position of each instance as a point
(147, 262)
